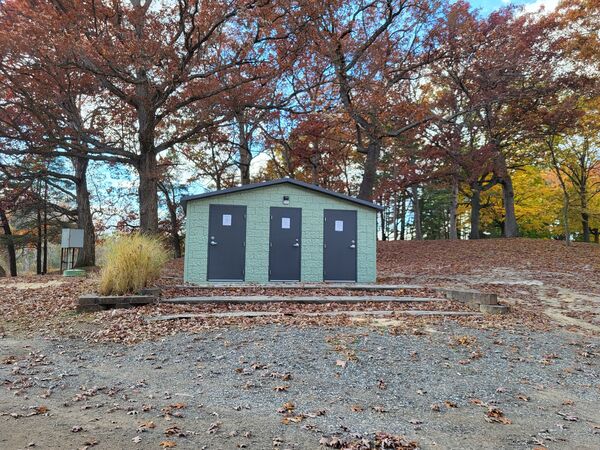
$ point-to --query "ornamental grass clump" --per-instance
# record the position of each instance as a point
(131, 262)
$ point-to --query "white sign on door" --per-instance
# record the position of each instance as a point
(226, 220)
(339, 225)
(285, 223)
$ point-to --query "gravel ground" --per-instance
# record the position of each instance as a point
(301, 388)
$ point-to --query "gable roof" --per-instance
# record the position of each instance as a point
(302, 184)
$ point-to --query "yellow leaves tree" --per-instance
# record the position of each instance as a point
(537, 204)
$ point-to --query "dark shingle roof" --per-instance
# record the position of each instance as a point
(292, 181)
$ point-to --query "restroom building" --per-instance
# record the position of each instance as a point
(279, 231)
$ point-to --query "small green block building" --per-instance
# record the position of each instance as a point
(279, 231)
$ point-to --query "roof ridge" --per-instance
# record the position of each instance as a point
(292, 181)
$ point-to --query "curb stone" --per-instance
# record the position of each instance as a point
(493, 309)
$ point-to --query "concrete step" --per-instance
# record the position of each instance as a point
(231, 299)
(311, 286)
(240, 314)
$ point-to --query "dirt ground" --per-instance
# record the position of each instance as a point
(544, 277)
(111, 379)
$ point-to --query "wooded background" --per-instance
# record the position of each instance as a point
(462, 124)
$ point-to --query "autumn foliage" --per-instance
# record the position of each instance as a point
(435, 109)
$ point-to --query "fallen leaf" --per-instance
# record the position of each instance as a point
(295, 419)
(168, 444)
(147, 425)
(341, 363)
(465, 340)
(478, 402)
(289, 406)
(281, 388)
(174, 431)
(497, 416)
(214, 427)
(282, 376)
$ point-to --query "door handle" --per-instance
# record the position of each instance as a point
(352, 246)
(213, 243)
(296, 244)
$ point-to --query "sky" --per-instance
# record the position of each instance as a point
(488, 6)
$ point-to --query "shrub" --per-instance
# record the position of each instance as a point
(131, 262)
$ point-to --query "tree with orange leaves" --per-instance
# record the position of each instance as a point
(162, 70)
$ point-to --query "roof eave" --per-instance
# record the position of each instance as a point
(185, 199)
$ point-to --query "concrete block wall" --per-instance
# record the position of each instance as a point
(258, 202)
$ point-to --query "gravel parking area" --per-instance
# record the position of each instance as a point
(271, 386)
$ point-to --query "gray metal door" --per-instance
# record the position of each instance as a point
(284, 244)
(226, 243)
(339, 245)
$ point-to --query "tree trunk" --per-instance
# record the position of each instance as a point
(175, 238)
(147, 192)
(245, 153)
(147, 166)
(87, 255)
(38, 244)
(245, 160)
(395, 216)
(566, 218)
(453, 232)
(45, 261)
(403, 217)
(172, 207)
(10, 245)
(367, 185)
(475, 210)
(511, 228)
(382, 220)
(314, 168)
(416, 213)
(585, 216)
